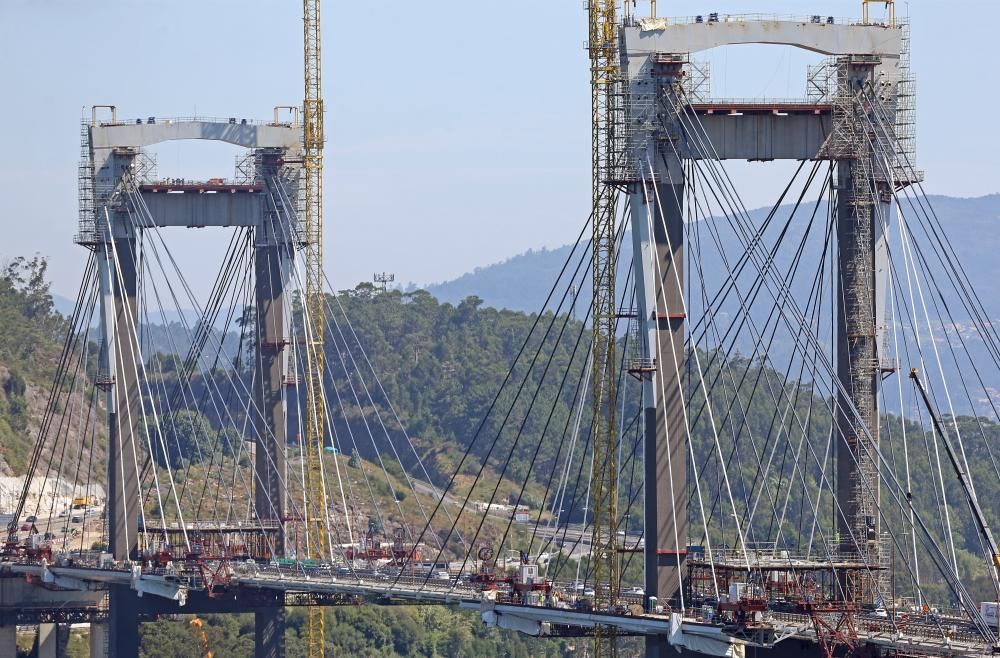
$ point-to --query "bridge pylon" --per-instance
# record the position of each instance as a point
(118, 206)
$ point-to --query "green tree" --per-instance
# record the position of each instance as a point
(186, 435)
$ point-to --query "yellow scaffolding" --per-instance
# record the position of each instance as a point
(312, 120)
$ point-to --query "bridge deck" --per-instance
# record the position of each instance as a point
(925, 638)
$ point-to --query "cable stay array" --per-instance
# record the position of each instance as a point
(196, 449)
(764, 422)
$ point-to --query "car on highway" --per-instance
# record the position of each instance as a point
(31, 519)
(635, 591)
(589, 592)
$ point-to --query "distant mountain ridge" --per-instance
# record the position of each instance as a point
(521, 282)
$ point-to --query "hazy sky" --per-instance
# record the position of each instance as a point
(458, 132)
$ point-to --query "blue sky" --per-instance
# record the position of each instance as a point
(458, 132)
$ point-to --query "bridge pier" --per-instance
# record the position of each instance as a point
(109, 228)
(272, 272)
(123, 626)
(269, 633)
(98, 640)
(48, 641)
(862, 257)
(664, 446)
(8, 640)
(657, 189)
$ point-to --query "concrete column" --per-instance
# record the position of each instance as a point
(123, 623)
(48, 641)
(272, 270)
(272, 337)
(658, 235)
(657, 210)
(119, 284)
(98, 640)
(859, 216)
(665, 446)
(8, 640)
(269, 633)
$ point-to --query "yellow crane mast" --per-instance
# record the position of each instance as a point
(198, 625)
(312, 121)
(606, 90)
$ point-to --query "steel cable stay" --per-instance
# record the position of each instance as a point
(89, 423)
(735, 326)
(914, 281)
(235, 383)
(313, 343)
(435, 491)
(76, 397)
(544, 431)
(919, 202)
(419, 461)
(67, 349)
(213, 394)
(579, 396)
(322, 506)
(194, 360)
(282, 197)
(496, 399)
(815, 303)
(716, 352)
(894, 324)
(934, 463)
(752, 324)
(276, 185)
(960, 288)
(70, 389)
(574, 420)
(132, 334)
(792, 304)
(385, 431)
(575, 289)
(920, 257)
(282, 206)
(78, 338)
(937, 357)
(534, 396)
(244, 414)
(183, 388)
(750, 360)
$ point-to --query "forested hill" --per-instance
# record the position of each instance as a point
(31, 335)
(441, 365)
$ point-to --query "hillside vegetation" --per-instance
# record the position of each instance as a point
(31, 335)
(441, 365)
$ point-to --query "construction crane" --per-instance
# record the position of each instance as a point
(606, 89)
(966, 481)
(312, 124)
(199, 625)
